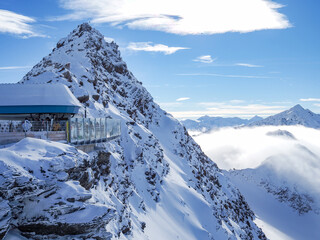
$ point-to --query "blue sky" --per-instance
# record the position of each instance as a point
(204, 57)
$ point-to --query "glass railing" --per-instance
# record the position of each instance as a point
(92, 130)
(76, 130)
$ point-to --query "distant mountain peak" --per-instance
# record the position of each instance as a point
(204, 117)
(255, 119)
(297, 107)
(297, 115)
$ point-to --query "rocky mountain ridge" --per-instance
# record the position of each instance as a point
(152, 183)
(296, 115)
(207, 123)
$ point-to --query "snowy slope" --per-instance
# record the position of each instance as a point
(152, 183)
(277, 168)
(296, 115)
(206, 123)
(39, 194)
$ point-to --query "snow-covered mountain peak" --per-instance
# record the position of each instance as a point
(86, 38)
(296, 115)
(204, 118)
(93, 70)
(297, 107)
(160, 183)
(207, 123)
(85, 33)
(297, 110)
(255, 118)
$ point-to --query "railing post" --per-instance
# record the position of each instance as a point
(68, 130)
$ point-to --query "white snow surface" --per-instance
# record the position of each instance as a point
(34, 172)
(154, 182)
(36, 94)
(277, 168)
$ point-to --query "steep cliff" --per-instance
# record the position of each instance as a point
(152, 183)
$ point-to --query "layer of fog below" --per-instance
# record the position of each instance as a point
(290, 153)
(283, 156)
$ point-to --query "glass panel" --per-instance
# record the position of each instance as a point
(98, 128)
(73, 130)
(80, 129)
(103, 128)
(86, 130)
(108, 127)
(92, 129)
(113, 128)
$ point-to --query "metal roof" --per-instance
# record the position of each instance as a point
(37, 98)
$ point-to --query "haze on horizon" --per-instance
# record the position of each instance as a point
(218, 58)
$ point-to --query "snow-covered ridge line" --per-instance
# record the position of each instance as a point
(207, 123)
(156, 178)
(296, 115)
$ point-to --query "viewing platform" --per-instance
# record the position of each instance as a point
(49, 111)
(75, 131)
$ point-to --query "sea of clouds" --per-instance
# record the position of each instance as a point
(289, 153)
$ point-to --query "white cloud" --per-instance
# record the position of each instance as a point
(228, 110)
(236, 101)
(180, 16)
(109, 39)
(223, 75)
(271, 163)
(310, 99)
(151, 47)
(248, 65)
(204, 59)
(14, 67)
(182, 99)
(317, 104)
(18, 24)
(252, 147)
(166, 105)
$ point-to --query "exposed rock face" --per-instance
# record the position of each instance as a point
(282, 133)
(41, 199)
(152, 183)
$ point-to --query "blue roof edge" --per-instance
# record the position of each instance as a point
(38, 109)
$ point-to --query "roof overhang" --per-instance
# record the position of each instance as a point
(37, 98)
(38, 109)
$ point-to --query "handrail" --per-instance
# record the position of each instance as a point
(92, 130)
(77, 131)
(35, 126)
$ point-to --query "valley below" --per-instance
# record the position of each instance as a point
(277, 169)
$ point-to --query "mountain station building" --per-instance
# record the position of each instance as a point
(37, 102)
(50, 111)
